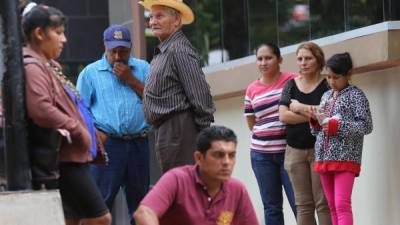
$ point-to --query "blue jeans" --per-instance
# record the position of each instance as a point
(271, 176)
(128, 168)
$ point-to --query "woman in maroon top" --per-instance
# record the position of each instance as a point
(50, 106)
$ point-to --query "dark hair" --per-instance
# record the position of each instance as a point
(214, 133)
(315, 50)
(42, 16)
(272, 46)
(340, 63)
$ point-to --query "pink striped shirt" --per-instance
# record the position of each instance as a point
(262, 101)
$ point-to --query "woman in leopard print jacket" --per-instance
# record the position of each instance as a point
(340, 123)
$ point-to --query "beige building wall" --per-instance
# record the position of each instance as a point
(376, 199)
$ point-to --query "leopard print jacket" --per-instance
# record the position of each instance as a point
(351, 108)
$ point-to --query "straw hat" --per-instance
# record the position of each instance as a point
(186, 12)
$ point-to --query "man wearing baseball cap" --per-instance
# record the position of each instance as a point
(112, 88)
(177, 99)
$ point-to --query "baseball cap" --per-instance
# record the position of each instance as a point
(117, 36)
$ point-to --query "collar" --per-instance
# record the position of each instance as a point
(346, 89)
(199, 181)
(163, 46)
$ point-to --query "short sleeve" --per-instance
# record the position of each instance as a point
(286, 93)
(248, 107)
(162, 195)
(84, 86)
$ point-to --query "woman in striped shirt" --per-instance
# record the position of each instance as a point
(268, 140)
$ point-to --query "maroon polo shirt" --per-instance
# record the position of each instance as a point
(180, 197)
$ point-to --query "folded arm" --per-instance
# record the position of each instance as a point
(289, 117)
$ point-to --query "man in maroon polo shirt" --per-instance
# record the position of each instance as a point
(204, 193)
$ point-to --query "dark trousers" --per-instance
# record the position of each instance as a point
(128, 168)
(175, 141)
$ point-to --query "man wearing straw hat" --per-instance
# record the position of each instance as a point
(176, 100)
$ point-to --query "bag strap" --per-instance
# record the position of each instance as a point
(32, 60)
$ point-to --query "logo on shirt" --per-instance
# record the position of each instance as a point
(225, 218)
(118, 35)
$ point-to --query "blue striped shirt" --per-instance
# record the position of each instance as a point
(115, 106)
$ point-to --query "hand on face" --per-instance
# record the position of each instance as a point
(122, 71)
(118, 57)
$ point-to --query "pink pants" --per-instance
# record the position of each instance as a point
(338, 187)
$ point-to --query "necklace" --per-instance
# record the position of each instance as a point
(63, 79)
(329, 114)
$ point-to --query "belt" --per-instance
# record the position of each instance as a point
(129, 137)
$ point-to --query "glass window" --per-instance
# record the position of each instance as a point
(392, 10)
(327, 18)
(224, 30)
(293, 21)
(262, 23)
(205, 33)
(361, 13)
(235, 36)
(220, 32)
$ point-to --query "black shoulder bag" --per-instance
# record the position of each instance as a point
(44, 147)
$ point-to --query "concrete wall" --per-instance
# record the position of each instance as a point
(31, 208)
(230, 113)
(375, 199)
(376, 54)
